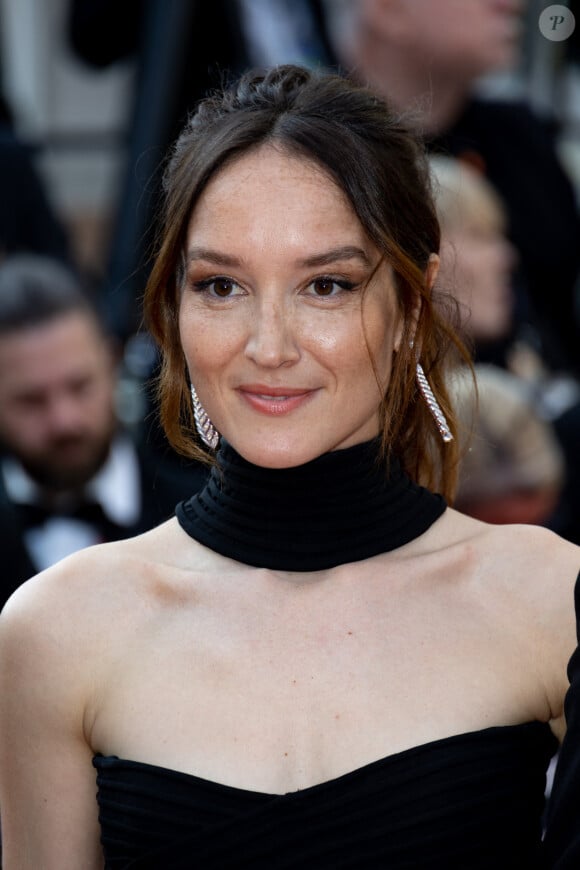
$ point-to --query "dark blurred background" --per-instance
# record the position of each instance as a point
(92, 93)
(91, 85)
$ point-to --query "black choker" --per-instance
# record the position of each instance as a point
(341, 507)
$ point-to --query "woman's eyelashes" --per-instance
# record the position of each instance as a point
(323, 286)
(328, 286)
(218, 287)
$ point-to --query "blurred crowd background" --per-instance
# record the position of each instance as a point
(96, 90)
(92, 93)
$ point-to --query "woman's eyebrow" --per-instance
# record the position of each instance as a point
(324, 258)
(346, 252)
(211, 256)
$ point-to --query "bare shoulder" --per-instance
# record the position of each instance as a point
(539, 569)
(522, 573)
(79, 603)
(517, 553)
(524, 579)
(537, 558)
(536, 570)
(61, 636)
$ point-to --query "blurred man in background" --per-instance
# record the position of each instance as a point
(69, 476)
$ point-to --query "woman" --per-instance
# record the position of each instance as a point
(317, 663)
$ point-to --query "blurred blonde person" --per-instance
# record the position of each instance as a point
(513, 470)
(477, 259)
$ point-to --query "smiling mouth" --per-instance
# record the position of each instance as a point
(276, 403)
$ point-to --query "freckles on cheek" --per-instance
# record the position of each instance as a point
(329, 342)
(208, 351)
(342, 335)
(192, 343)
(192, 326)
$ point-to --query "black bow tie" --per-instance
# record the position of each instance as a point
(90, 512)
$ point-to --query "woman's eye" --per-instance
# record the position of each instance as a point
(330, 286)
(221, 288)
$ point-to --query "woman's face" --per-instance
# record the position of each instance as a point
(274, 324)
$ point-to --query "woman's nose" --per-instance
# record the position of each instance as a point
(273, 339)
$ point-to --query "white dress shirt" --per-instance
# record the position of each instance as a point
(116, 487)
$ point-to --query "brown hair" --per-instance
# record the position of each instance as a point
(348, 131)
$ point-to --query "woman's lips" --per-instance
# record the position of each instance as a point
(275, 401)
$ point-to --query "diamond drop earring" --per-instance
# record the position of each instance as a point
(207, 431)
(432, 403)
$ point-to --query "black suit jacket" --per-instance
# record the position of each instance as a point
(161, 489)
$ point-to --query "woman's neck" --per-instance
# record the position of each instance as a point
(342, 507)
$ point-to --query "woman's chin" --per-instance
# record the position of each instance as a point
(270, 452)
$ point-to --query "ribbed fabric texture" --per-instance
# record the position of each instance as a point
(466, 802)
(341, 507)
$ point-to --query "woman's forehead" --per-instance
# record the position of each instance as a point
(270, 165)
(267, 197)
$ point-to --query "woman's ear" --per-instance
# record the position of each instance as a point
(431, 273)
(432, 270)
(413, 318)
(399, 334)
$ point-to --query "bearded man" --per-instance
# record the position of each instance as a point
(70, 476)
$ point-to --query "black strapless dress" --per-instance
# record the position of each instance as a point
(469, 801)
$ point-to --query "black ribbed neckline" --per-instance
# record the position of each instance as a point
(341, 507)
